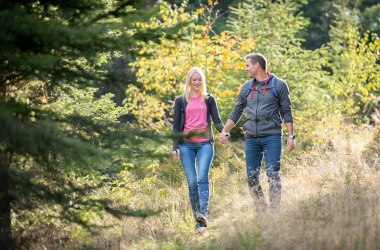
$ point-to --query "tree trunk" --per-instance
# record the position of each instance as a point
(5, 202)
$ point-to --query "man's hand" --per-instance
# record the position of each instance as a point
(176, 154)
(291, 143)
(224, 136)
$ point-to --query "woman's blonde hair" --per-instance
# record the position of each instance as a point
(186, 91)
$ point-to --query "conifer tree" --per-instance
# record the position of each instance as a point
(53, 125)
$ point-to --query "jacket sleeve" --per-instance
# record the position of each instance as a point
(239, 106)
(176, 122)
(215, 115)
(285, 103)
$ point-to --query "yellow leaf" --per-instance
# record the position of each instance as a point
(200, 10)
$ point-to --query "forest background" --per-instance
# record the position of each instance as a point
(87, 90)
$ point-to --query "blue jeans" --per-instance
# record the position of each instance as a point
(197, 179)
(270, 148)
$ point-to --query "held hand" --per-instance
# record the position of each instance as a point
(291, 144)
(224, 136)
(176, 154)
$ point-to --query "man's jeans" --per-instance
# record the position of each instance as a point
(197, 180)
(255, 148)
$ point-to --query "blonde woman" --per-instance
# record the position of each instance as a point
(193, 112)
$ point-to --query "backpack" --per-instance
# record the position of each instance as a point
(273, 88)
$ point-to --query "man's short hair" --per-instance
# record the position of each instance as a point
(257, 58)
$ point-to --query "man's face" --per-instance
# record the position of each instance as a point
(250, 68)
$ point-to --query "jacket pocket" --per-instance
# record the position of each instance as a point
(267, 124)
(249, 127)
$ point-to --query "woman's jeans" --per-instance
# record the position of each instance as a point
(255, 149)
(197, 179)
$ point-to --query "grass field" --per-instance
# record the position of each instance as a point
(331, 200)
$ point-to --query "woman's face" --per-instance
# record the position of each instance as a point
(196, 82)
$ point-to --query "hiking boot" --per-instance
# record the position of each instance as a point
(201, 220)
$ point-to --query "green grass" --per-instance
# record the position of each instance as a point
(331, 200)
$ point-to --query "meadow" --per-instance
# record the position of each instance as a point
(330, 200)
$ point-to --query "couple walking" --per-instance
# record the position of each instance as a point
(267, 101)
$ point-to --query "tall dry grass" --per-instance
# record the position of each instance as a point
(331, 200)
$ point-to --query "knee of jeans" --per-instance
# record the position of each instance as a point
(203, 180)
(193, 186)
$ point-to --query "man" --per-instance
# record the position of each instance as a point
(267, 101)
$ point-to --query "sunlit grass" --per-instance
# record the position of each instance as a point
(330, 200)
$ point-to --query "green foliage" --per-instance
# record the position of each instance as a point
(267, 22)
(321, 14)
(72, 100)
(64, 155)
(52, 41)
(58, 135)
(127, 185)
(370, 19)
(354, 62)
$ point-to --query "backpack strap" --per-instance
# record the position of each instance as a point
(274, 90)
(249, 90)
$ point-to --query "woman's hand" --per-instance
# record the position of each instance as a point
(224, 136)
(176, 154)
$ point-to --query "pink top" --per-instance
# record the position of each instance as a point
(196, 118)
